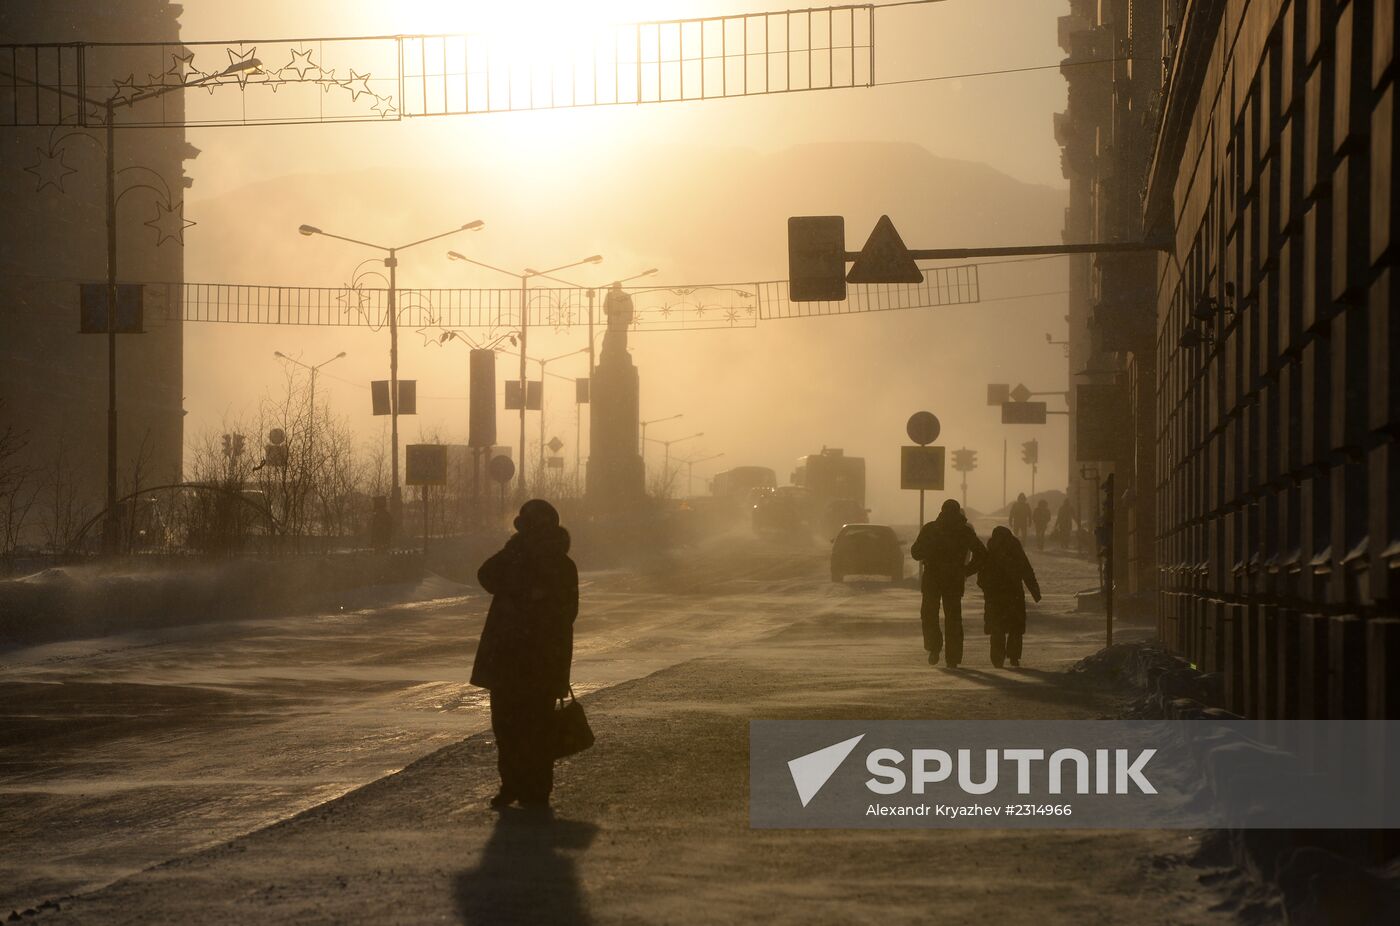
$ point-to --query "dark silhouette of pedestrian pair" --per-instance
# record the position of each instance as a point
(950, 551)
(526, 649)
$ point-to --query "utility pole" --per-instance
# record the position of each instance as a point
(1003, 472)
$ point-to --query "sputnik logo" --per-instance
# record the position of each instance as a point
(812, 771)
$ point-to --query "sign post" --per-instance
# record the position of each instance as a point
(921, 467)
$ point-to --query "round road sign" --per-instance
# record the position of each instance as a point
(501, 469)
(923, 428)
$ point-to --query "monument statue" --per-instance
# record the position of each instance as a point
(616, 479)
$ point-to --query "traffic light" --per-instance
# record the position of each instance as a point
(964, 460)
(1030, 452)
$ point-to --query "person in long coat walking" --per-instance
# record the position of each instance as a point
(526, 648)
(1004, 576)
(950, 551)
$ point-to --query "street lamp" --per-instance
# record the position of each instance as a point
(311, 439)
(543, 364)
(644, 434)
(524, 329)
(690, 470)
(666, 465)
(392, 262)
(110, 105)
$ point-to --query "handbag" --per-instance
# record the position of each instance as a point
(572, 734)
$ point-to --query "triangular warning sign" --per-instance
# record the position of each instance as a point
(884, 259)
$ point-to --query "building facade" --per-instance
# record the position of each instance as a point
(53, 380)
(1268, 182)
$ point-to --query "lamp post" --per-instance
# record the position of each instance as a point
(392, 262)
(543, 364)
(109, 534)
(313, 368)
(524, 329)
(644, 434)
(690, 469)
(666, 465)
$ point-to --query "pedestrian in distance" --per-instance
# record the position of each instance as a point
(950, 551)
(1041, 519)
(1064, 523)
(525, 650)
(1004, 577)
(1019, 517)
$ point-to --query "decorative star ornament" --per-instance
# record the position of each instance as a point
(384, 106)
(241, 58)
(732, 316)
(272, 80)
(301, 63)
(358, 85)
(126, 91)
(170, 222)
(181, 66)
(328, 80)
(50, 169)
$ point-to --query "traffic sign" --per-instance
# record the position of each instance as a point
(923, 427)
(555, 462)
(555, 445)
(425, 464)
(816, 258)
(921, 468)
(998, 393)
(885, 259)
(1023, 413)
(501, 469)
(1020, 393)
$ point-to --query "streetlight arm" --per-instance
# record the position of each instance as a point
(470, 226)
(454, 255)
(593, 259)
(310, 230)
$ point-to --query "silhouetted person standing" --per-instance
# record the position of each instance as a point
(1003, 573)
(950, 551)
(1020, 516)
(1064, 523)
(526, 648)
(1041, 519)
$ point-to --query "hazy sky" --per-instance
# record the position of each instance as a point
(548, 161)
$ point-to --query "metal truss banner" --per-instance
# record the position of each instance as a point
(941, 286)
(434, 312)
(379, 78)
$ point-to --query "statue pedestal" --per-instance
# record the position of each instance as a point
(616, 477)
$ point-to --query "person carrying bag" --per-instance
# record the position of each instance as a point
(525, 652)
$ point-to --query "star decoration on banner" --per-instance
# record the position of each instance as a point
(384, 106)
(700, 310)
(127, 91)
(435, 337)
(50, 169)
(328, 80)
(732, 316)
(155, 80)
(272, 80)
(301, 63)
(241, 58)
(182, 66)
(665, 311)
(355, 291)
(358, 84)
(170, 222)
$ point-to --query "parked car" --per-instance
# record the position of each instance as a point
(866, 549)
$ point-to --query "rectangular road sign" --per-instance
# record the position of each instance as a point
(1023, 413)
(921, 468)
(534, 393)
(425, 464)
(817, 258)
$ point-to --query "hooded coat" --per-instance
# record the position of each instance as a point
(950, 551)
(1005, 570)
(527, 643)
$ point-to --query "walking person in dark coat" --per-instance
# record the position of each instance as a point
(1019, 517)
(1003, 573)
(950, 551)
(1041, 519)
(525, 650)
